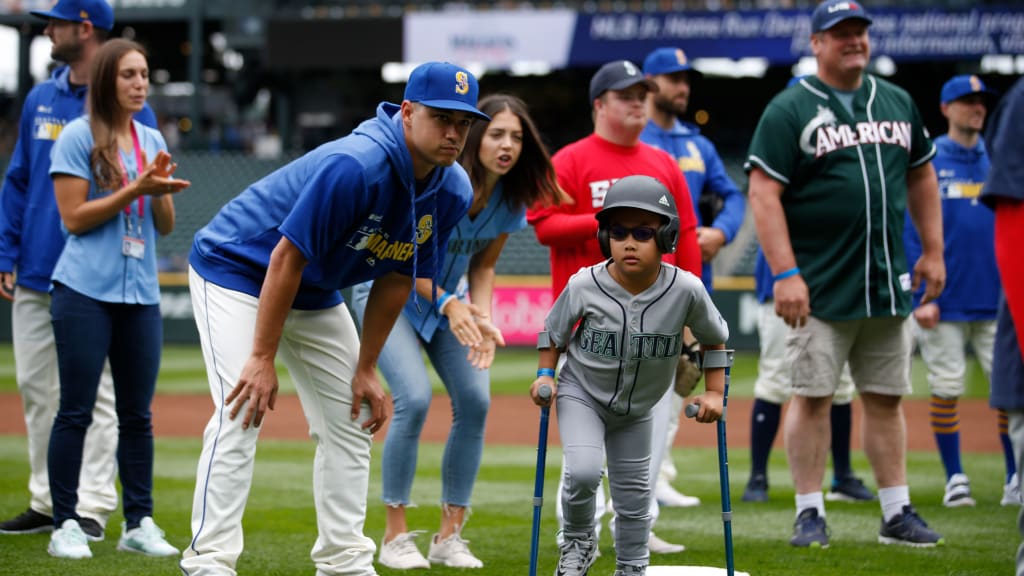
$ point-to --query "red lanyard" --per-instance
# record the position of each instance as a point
(138, 168)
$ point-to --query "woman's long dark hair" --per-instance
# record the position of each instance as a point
(104, 110)
(532, 179)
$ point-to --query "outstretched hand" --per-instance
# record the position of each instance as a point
(157, 178)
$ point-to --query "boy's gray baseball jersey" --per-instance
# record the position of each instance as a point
(625, 349)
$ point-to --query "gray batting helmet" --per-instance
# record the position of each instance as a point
(647, 194)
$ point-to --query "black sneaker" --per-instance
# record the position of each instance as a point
(93, 530)
(757, 489)
(849, 489)
(809, 530)
(910, 530)
(28, 522)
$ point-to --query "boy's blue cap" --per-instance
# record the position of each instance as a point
(959, 86)
(832, 12)
(445, 86)
(99, 12)
(666, 61)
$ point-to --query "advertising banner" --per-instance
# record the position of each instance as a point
(563, 38)
(782, 36)
(495, 39)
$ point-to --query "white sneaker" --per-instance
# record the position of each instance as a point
(401, 553)
(452, 551)
(1011, 493)
(958, 492)
(147, 539)
(69, 541)
(658, 546)
(669, 496)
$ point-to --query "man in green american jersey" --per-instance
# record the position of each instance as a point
(835, 162)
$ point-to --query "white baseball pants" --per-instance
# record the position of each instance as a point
(320, 349)
(35, 360)
(942, 349)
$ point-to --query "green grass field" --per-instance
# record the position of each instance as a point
(280, 523)
(182, 372)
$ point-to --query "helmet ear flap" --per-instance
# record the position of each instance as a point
(666, 238)
(604, 241)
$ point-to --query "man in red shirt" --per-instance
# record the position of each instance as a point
(585, 170)
(587, 167)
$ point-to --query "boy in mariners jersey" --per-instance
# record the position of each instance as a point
(834, 164)
(620, 324)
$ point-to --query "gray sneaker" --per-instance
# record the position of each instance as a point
(147, 539)
(624, 570)
(909, 529)
(577, 554)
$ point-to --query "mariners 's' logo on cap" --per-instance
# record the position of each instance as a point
(630, 68)
(680, 57)
(461, 82)
(976, 84)
(664, 201)
(83, 14)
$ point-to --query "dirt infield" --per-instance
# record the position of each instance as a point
(513, 420)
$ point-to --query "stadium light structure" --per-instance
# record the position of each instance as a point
(729, 68)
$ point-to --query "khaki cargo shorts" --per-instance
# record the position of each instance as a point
(877, 349)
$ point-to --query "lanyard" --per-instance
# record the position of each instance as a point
(124, 175)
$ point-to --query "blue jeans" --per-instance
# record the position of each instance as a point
(406, 375)
(88, 332)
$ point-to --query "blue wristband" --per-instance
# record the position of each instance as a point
(441, 301)
(783, 275)
(545, 372)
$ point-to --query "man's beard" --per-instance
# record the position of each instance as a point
(669, 106)
(67, 53)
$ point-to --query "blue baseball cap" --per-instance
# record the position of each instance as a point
(99, 12)
(446, 86)
(832, 12)
(959, 86)
(666, 61)
(618, 75)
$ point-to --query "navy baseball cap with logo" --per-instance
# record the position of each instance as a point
(966, 85)
(668, 61)
(99, 12)
(618, 75)
(445, 86)
(832, 12)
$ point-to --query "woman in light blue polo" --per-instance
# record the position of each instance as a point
(106, 298)
(510, 170)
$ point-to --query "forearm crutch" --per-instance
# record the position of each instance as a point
(538, 485)
(721, 359)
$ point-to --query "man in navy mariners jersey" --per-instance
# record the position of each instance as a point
(835, 162)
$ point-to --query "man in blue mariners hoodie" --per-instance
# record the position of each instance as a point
(966, 310)
(30, 243)
(265, 276)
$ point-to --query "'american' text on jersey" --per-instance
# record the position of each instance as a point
(832, 138)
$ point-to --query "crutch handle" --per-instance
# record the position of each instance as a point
(544, 392)
(692, 409)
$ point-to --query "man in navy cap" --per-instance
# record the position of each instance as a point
(30, 242)
(265, 274)
(717, 203)
(966, 310)
(834, 164)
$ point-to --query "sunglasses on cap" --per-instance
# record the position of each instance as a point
(640, 233)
